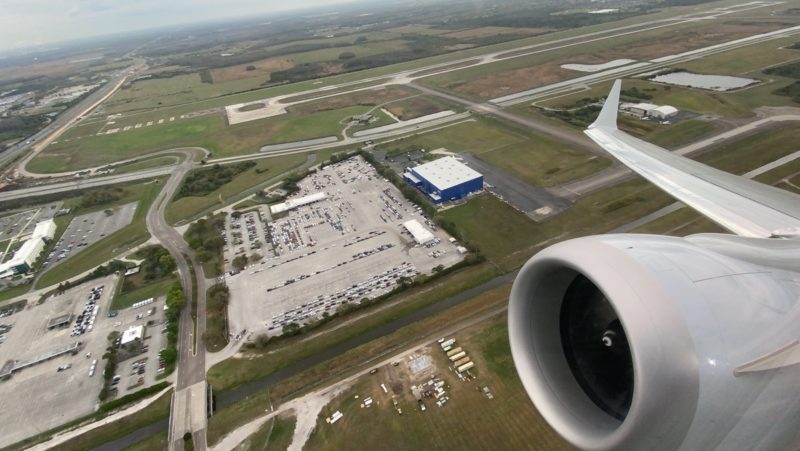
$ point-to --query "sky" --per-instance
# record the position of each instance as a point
(25, 23)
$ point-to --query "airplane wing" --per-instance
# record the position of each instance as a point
(743, 206)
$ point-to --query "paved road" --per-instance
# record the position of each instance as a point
(189, 401)
(232, 396)
(408, 76)
(227, 398)
(489, 109)
(67, 119)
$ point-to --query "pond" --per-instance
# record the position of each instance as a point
(711, 82)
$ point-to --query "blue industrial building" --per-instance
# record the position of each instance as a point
(445, 179)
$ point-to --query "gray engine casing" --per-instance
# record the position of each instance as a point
(691, 317)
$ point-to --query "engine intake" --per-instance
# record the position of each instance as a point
(601, 347)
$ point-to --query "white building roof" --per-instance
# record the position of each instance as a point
(644, 106)
(664, 110)
(26, 254)
(418, 231)
(44, 229)
(300, 201)
(446, 172)
(132, 333)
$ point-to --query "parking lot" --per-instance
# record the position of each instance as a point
(246, 235)
(88, 229)
(47, 394)
(143, 369)
(349, 246)
(536, 202)
(22, 222)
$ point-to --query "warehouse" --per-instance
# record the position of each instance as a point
(445, 179)
(663, 112)
(639, 109)
(649, 110)
(23, 258)
(45, 230)
(298, 202)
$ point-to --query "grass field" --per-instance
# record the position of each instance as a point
(468, 421)
(676, 135)
(12, 292)
(746, 61)
(189, 100)
(508, 238)
(153, 289)
(542, 161)
(148, 163)
(158, 410)
(265, 170)
(120, 241)
(210, 132)
(535, 158)
(228, 418)
(234, 372)
(526, 72)
(157, 441)
(275, 434)
(180, 89)
(470, 136)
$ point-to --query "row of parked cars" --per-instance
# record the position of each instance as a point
(85, 320)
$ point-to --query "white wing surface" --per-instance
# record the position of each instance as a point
(743, 206)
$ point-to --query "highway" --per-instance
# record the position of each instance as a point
(68, 118)
(189, 410)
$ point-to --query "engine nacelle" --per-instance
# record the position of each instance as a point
(638, 342)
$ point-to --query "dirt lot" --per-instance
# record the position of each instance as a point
(413, 108)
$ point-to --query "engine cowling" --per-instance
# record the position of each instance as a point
(633, 342)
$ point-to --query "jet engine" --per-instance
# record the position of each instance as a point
(643, 342)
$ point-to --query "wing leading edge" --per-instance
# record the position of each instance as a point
(743, 206)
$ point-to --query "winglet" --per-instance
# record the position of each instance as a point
(608, 115)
